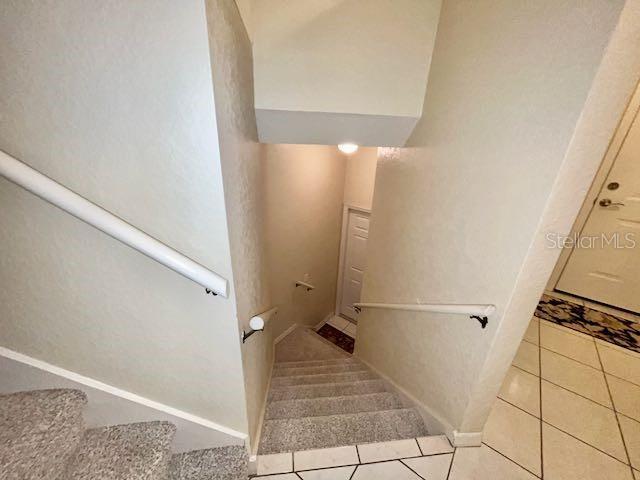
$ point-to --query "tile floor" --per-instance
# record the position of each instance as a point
(340, 332)
(569, 409)
(343, 325)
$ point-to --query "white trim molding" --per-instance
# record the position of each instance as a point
(285, 333)
(470, 439)
(109, 405)
(434, 422)
(60, 196)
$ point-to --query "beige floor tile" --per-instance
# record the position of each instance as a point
(378, 452)
(626, 397)
(515, 434)
(575, 376)
(573, 346)
(531, 335)
(350, 330)
(340, 473)
(636, 474)
(619, 363)
(483, 463)
(286, 476)
(582, 418)
(566, 458)
(338, 322)
(434, 445)
(276, 463)
(522, 389)
(325, 457)
(384, 471)
(435, 467)
(631, 433)
(527, 358)
(564, 329)
(617, 347)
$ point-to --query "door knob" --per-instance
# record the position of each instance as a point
(606, 202)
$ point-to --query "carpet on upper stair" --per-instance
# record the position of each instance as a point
(42, 437)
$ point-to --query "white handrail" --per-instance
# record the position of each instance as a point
(258, 322)
(478, 311)
(60, 196)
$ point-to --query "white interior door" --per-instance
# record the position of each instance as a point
(355, 261)
(611, 273)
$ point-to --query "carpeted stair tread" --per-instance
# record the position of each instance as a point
(39, 430)
(327, 390)
(223, 463)
(138, 451)
(322, 378)
(314, 407)
(315, 370)
(293, 434)
(317, 363)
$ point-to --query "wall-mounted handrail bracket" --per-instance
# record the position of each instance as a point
(257, 323)
(308, 286)
(246, 334)
(483, 320)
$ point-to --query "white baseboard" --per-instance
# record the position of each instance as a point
(471, 439)
(434, 422)
(323, 321)
(253, 454)
(285, 333)
(109, 405)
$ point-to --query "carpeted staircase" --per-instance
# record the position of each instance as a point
(42, 436)
(330, 402)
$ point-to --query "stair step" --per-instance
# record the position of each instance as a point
(138, 451)
(293, 434)
(327, 390)
(39, 431)
(314, 407)
(322, 378)
(315, 370)
(223, 463)
(316, 363)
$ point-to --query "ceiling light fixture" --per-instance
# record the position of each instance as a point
(348, 148)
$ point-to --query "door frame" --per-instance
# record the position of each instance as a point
(631, 112)
(346, 210)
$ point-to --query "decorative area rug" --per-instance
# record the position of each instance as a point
(610, 328)
(335, 336)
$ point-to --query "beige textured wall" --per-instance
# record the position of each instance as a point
(304, 187)
(455, 214)
(122, 112)
(360, 178)
(231, 65)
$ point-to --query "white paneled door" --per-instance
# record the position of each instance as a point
(605, 266)
(355, 261)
